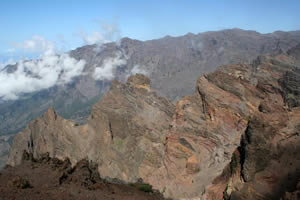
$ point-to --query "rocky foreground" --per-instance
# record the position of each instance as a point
(237, 137)
(50, 178)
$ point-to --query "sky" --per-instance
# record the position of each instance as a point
(69, 24)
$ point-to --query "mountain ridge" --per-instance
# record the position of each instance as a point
(173, 65)
(233, 136)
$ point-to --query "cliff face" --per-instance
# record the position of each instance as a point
(238, 135)
(266, 163)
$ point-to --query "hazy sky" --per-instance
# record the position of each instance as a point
(69, 24)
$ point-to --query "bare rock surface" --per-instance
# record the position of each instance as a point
(237, 137)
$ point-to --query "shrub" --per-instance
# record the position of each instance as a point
(145, 187)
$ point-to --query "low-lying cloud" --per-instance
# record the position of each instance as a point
(109, 66)
(34, 75)
(56, 68)
(107, 71)
(137, 69)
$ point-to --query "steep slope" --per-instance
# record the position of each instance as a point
(5, 142)
(232, 137)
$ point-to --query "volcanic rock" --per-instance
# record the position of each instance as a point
(236, 137)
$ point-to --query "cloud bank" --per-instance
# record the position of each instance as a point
(34, 75)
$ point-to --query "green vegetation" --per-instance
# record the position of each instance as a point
(118, 142)
(145, 187)
(234, 163)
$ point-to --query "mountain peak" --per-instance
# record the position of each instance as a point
(51, 113)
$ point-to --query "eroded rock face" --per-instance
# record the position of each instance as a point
(270, 165)
(130, 123)
(126, 132)
(266, 164)
(237, 130)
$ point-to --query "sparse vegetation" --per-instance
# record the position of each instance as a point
(144, 187)
(234, 163)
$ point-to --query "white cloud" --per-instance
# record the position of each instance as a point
(107, 70)
(137, 69)
(34, 75)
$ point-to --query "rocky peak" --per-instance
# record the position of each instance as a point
(139, 81)
(50, 114)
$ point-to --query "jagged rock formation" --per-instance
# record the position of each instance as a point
(172, 63)
(237, 137)
(50, 178)
(128, 125)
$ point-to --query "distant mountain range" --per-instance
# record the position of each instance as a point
(173, 65)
